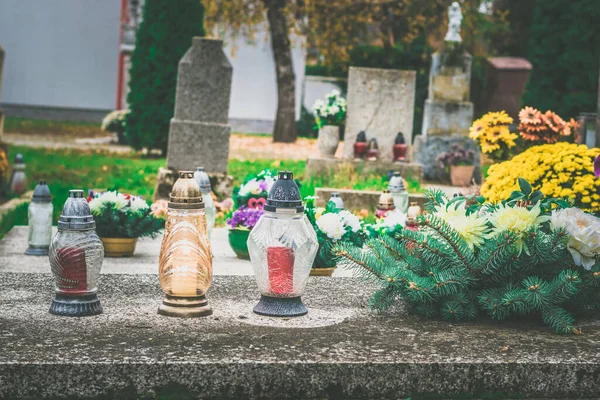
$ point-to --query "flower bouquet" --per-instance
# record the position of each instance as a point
(121, 219)
(250, 199)
(460, 163)
(524, 256)
(332, 226)
(329, 116)
(538, 128)
(493, 135)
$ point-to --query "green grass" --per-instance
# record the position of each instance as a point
(40, 126)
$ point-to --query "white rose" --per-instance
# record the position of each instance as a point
(331, 224)
(584, 232)
(138, 205)
(96, 206)
(351, 220)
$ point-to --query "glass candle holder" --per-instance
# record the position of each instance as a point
(385, 204)
(185, 265)
(399, 193)
(337, 201)
(40, 221)
(76, 255)
(282, 248)
(18, 180)
(203, 181)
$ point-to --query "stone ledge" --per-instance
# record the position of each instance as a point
(359, 199)
(130, 351)
(326, 166)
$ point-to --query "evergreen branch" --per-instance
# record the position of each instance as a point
(560, 320)
(452, 238)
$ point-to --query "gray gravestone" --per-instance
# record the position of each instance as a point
(1, 71)
(199, 131)
(380, 102)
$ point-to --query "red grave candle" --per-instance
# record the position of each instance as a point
(73, 276)
(280, 261)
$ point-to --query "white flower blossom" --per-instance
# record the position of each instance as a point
(115, 199)
(351, 220)
(394, 218)
(584, 234)
(138, 205)
(331, 224)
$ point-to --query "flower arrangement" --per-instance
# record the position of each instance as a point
(493, 135)
(250, 199)
(456, 156)
(332, 226)
(115, 122)
(331, 111)
(561, 170)
(119, 215)
(245, 217)
(388, 225)
(526, 255)
(541, 128)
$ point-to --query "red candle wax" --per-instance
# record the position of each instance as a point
(73, 276)
(280, 261)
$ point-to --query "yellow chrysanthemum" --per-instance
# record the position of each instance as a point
(473, 228)
(500, 117)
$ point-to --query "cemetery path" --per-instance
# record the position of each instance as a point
(243, 147)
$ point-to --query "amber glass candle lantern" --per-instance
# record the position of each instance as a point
(360, 146)
(185, 264)
(76, 255)
(203, 181)
(282, 248)
(40, 221)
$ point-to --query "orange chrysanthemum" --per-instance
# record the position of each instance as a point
(530, 115)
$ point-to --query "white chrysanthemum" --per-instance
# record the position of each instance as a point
(331, 224)
(96, 206)
(394, 218)
(250, 187)
(516, 219)
(115, 199)
(138, 205)
(584, 232)
(446, 211)
(351, 220)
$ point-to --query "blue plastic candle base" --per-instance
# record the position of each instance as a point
(76, 306)
(280, 307)
(36, 251)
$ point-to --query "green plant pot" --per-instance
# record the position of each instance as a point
(238, 240)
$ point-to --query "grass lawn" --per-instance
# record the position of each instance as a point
(63, 128)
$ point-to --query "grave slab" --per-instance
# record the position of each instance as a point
(339, 350)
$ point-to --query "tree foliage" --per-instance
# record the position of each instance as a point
(565, 52)
(163, 37)
(438, 275)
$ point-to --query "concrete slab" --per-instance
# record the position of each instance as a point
(131, 352)
(144, 260)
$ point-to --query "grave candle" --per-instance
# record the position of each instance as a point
(280, 262)
(40, 221)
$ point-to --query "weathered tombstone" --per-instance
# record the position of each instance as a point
(381, 103)
(507, 78)
(448, 113)
(1, 112)
(199, 131)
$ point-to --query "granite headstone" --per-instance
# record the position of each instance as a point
(381, 103)
(199, 131)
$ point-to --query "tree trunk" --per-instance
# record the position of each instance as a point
(285, 121)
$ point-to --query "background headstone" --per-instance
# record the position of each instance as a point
(507, 78)
(380, 102)
(199, 131)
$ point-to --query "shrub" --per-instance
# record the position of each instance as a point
(115, 122)
(565, 52)
(561, 170)
(164, 36)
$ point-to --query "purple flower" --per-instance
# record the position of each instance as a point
(263, 185)
(597, 167)
(245, 217)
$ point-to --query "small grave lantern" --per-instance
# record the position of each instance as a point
(337, 201)
(400, 147)
(76, 255)
(40, 221)
(282, 248)
(588, 134)
(203, 181)
(360, 146)
(18, 180)
(185, 264)
(385, 204)
(373, 150)
(399, 193)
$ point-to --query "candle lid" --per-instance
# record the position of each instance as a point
(361, 137)
(284, 194)
(386, 201)
(76, 214)
(41, 193)
(203, 180)
(186, 193)
(399, 138)
(337, 200)
(396, 183)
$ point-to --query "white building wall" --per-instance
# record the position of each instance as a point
(60, 53)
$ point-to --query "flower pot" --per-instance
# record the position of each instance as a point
(461, 175)
(322, 271)
(238, 239)
(119, 247)
(400, 152)
(360, 149)
(329, 139)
